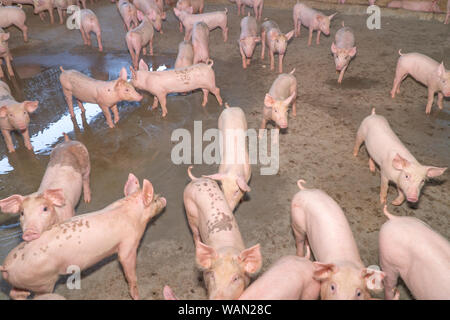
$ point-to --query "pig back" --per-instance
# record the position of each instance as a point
(270, 26)
(144, 30)
(281, 87)
(10, 14)
(200, 75)
(249, 27)
(345, 39)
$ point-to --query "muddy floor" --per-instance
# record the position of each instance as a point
(317, 146)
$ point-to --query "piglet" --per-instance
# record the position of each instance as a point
(5, 54)
(104, 93)
(411, 249)
(234, 170)
(213, 20)
(312, 19)
(197, 7)
(138, 38)
(257, 6)
(425, 70)
(60, 190)
(248, 39)
(200, 42)
(151, 10)
(276, 41)
(128, 13)
(44, 5)
(396, 163)
(83, 241)
(343, 49)
(161, 83)
(89, 23)
(425, 6)
(318, 220)
(282, 93)
(12, 15)
(289, 278)
(14, 116)
(219, 248)
(185, 57)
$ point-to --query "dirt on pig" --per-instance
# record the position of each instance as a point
(317, 146)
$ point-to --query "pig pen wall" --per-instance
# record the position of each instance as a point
(354, 7)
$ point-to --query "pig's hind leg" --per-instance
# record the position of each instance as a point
(127, 258)
(430, 100)
(68, 96)
(400, 75)
(390, 280)
(18, 294)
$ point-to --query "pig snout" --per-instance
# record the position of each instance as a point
(30, 234)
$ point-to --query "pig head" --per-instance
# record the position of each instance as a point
(227, 271)
(322, 23)
(342, 56)
(37, 211)
(16, 115)
(278, 109)
(444, 77)
(280, 41)
(123, 89)
(346, 281)
(248, 44)
(412, 176)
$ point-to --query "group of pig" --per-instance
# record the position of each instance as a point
(319, 224)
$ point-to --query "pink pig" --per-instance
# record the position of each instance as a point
(128, 12)
(289, 278)
(14, 16)
(276, 41)
(234, 170)
(5, 54)
(215, 19)
(104, 93)
(425, 6)
(282, 93)
(197, 7)
(83, 241)
(138, 38)
(220, 250)
(14, 116)
(318, 219)
(60, 190)
(396, 163)
(248, 39)
(257, 6)
(151, 10)
(43, 5)
(425, 70)
(312, 19)
(185, 57)
(343, 50)
(89, 23)
(161, 83)
(409, 248)
(200, 42)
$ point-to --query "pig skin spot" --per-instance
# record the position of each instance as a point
(23, 256)
(15, 255)
(68, 237)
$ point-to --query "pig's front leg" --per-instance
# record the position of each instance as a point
(68, 96)
(272, 59)
(430, 100)
(383, 188)
(10, 69)
(371, 164)
(181, 27)
(26, 139)
(127, 258)
(187, 34)
(60, 14)
(244, 58)
(318, 37)
(116, 113)
(225, 33)
(310, 35)
(400, 198)
(107, 114)
(439, 100)
(263, 44)
(8, 140)
(280, 63)
(86, 188)
(162, 100)
(341, 74)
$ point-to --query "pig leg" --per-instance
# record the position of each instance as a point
(162, 100)
(272, 60)
(86, 187)
(358, 142)
(300, 240)
(18, 294)
(151, 47)
(430, 100)
(1, 70)
(8, 140)
(216, 92)
(60, 14)
(99, 40)
(205, 97)
(68, 96)
(383, 188)
(318, 37)
(107, 116)
(400, 198)
(310, 35)
(80, 105)
(181, 27)
(280, 63)
(84, 36)
(439, 100)
(296, 28)
(341, 74)
(144, 51)
(192, 215)
(187, 34)
(127, 258)
(371, 165)
(11, 72)
(116, 113)
(400, 75)
(244, 58)
(389, 281)
(26, 139)
(225, 33)
(24, 29)
(263, 44)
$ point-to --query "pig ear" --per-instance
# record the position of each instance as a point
(399, 163)
(251, 259)
(147, 192)
(131, 186)
(169, 294)
(123, 74)
(55, 196)
(3, 111)
(242, 184)
(143, 65)
(152, 15)
(12, 204)
(332, 16)
(216, 176)
(269, 101)
(176, 11)
(289, 35)
(373, 278)
(333, 48)
(323, 271)
(441, 69)
(140, 15)
(352, 52)
(204, 255)
(5, 36)
(31, 106)
(435, 172)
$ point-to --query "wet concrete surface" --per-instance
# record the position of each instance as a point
(317, 146)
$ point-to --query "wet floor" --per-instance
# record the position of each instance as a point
(317, 146)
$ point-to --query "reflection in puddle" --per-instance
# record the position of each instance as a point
(10, 237)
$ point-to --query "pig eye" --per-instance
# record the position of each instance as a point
(24, 112)
(10, 115)
(21, 213)
(235, 278)
(407, 176)
(333, 287)
(358, 293)
(45, 209)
